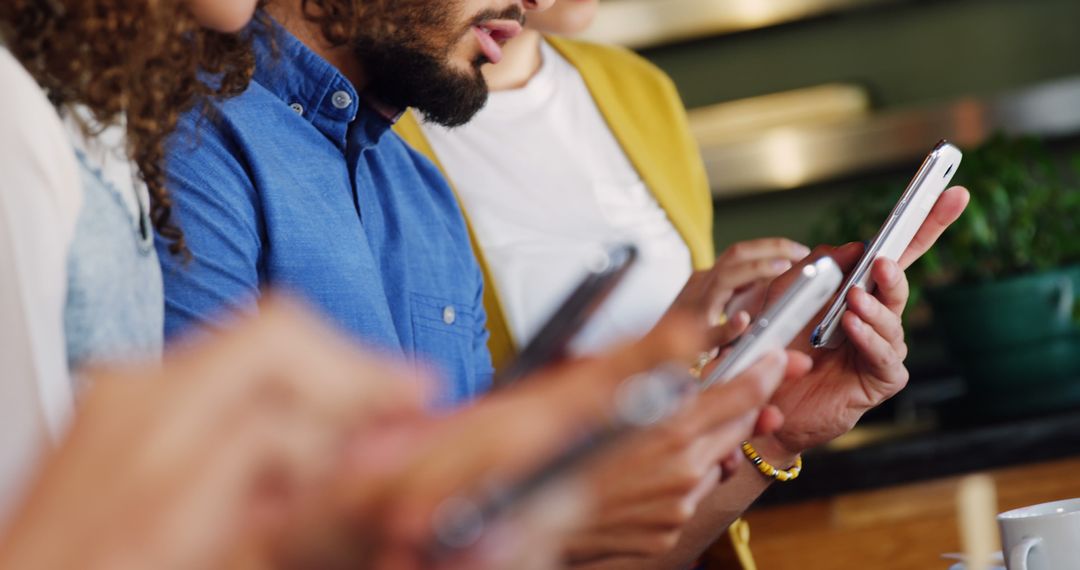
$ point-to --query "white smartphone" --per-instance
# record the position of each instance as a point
(782, 321)
(895, 234)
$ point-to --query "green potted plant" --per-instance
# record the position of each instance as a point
(1003, 283)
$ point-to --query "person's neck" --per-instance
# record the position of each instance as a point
(521, 61)
(289, 13)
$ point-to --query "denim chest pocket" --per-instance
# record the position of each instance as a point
(443, 336)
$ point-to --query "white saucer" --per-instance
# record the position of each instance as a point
(998, 558)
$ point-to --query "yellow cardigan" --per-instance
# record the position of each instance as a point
(643, 110)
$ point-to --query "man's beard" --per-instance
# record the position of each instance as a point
(405, 47)
(406, 76)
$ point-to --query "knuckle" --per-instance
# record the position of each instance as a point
(668, 541)
(903, 377)
(736, 251)
(674, 515)
(886, 359)
(762, 266)
(896, 334)
(683, 512)
(898, 380)
(785, 246)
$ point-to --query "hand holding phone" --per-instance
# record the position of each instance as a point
(895, 234)
(642, 400)
(782, 321)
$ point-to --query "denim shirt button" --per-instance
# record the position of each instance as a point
(341, 99)
(297, 108)
(449, 315)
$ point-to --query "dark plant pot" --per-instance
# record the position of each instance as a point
(1017, 341)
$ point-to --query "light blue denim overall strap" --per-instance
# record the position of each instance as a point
(115, 303)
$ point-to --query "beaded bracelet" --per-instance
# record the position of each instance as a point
(768, 470)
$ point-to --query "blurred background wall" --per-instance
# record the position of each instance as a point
(903, 53)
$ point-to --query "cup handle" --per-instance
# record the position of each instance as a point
(1018, 556)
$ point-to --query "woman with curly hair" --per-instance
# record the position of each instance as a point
(83, 125)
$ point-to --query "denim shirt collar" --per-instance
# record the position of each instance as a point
(312, 87)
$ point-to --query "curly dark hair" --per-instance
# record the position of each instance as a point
(133, 60)
(345, 22)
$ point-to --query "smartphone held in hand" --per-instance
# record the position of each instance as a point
(895, 234)
(781, 322)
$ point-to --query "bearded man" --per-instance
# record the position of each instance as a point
(299, 183)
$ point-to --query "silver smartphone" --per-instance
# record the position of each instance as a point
(550, 344)
(895, 234)
(782, 321)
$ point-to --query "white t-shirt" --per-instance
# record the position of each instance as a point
(547, 188)
(40, 198)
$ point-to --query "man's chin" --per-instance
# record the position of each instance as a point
(445, 92)
(452, 99)
(455, 116)
(444, 109)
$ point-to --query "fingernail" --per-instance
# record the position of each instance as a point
(801, 250)
(781, 265)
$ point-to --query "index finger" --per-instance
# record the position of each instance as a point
(765, 248)
(950, 205)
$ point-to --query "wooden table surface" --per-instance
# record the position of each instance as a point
(897, 528)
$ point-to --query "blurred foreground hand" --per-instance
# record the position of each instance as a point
(172, 466)
(278, 444)
(383, 506)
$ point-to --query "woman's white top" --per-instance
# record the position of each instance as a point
(547, 187)
(40, 201)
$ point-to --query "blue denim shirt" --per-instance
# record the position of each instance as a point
(297, 185)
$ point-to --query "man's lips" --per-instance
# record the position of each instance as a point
(492, 34)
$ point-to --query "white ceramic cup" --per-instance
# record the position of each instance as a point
(1042, 537)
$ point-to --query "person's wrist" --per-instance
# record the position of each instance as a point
(774, 452)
